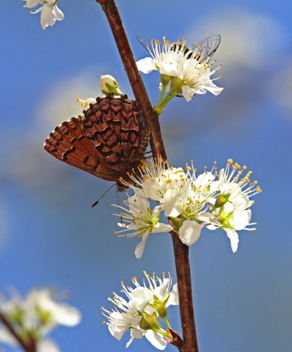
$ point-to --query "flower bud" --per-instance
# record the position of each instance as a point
(221, 200)
(109, 85)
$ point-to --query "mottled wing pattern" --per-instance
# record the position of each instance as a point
(113, 127)
(68, 144)
(108, 141)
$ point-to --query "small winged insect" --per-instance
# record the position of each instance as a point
(205, 49)
(202, 51)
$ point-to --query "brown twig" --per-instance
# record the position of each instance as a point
(151, 118)
(28, 347)
(183, 273)
(181, 251)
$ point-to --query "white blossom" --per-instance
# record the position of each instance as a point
(161, 183)
(156, 286)
(175, 60)
(230, 220)
(42, 301)
(49, 11)
(36, 316)
(127, 314)
(190, 201)
(141, 220)
(239, 189)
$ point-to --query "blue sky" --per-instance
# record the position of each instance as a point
(49, 235)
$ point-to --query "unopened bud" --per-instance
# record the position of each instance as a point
(109, 85)
(221, 200)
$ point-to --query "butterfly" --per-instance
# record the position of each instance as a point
(108, 141)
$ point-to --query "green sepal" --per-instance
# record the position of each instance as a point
(224, 217)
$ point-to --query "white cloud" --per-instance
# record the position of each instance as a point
(248, 40)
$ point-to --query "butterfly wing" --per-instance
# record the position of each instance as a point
(208, 46)
(113, 127)
(68, 144)
(146, 42)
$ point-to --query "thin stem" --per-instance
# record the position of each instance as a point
(168, 98)
(162, 332)
(167, 323)
(27, 347)
(183, 273)
(151, 118)
(162, 94)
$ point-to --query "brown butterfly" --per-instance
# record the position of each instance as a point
(108, 141)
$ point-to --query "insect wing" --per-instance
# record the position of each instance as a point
(208, 46)
(146, 42)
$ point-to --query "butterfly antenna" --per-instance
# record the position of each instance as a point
(118, 201)
(94, 204)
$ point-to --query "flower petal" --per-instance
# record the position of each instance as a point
(155, 339)
(58, 13)
(6, 337)
(32, 3)
(67, 315)
(173, 298)
(190, 232)
(160, 227)
(139, 250)
(47, 345)
(212, 88)
(169, 203)
(146, 65)
(233, 236)
(188, 93)
(241, 219)
(47, 16)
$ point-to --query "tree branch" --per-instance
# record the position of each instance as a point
(151, 118)
(183, 273)
(181, 251)
(28, 347)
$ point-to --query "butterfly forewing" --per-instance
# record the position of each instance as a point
(68, 144)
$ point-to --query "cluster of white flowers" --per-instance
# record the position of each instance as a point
(183, 70)
(140, 312)
(190, 202)
(49, 11)
(34, 317)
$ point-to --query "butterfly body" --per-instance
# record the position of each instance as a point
(108, 141)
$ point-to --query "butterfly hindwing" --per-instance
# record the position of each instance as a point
(112, 126)
(108, 141)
